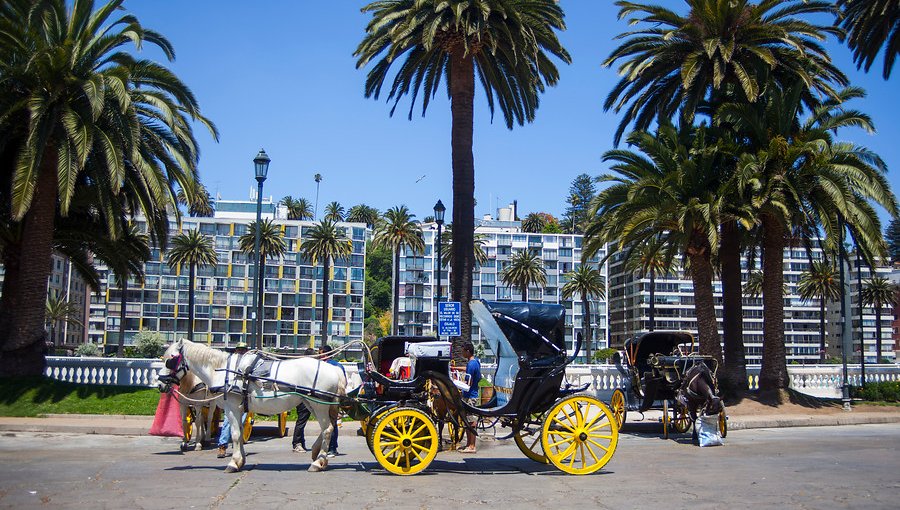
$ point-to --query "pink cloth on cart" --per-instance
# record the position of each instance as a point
(167, 421)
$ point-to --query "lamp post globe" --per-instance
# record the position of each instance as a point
(260, 170)
(439, 211)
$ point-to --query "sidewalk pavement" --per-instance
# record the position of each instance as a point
(140, 425)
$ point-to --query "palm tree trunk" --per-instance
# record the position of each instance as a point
(524, 293)
(822, 329)
(259, 301)
(24, 302)
(734, 373)
(120, 345)
(325, 278)
(191, 278)
(462, 94)
(773, 372)
(586, 326)
(704, 302)
(652, 324)
(395, 295)
(877, 333)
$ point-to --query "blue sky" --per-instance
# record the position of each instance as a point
(281, 75)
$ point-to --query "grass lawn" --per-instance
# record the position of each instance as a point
(34, 396)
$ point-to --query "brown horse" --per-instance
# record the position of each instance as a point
(698, 391)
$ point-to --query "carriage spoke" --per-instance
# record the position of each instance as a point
(591, 451)
(563, 441)
(418, 439)
(390, 436)
(556, 420)
(601, 436)
(392, 452)
(605, 449)
(416, 433)
(600, 415)
(579, 417)
(598, 427)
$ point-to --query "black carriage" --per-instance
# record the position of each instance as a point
(551, 422)
(653, 366)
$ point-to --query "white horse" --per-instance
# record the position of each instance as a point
(297, 379)
(201, 429)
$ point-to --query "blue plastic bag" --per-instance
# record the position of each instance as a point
(707, 428)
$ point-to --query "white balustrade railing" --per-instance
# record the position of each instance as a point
(815, 380)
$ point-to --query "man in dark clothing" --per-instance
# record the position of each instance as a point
(299, 443)
(324, 354)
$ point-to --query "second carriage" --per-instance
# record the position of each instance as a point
(653, 367)
(550, 421)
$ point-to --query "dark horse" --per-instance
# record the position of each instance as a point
(698, 391)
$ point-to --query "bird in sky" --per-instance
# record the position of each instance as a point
(420, 178)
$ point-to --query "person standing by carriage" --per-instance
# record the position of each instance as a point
(299, 442)
(325, 354)
(225, 434)
(473, 371)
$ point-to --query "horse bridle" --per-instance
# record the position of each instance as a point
(177, 369)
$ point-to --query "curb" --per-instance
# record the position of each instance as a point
(812, 421)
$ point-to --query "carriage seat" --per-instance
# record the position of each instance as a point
(401, 368)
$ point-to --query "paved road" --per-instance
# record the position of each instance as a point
(825, 467)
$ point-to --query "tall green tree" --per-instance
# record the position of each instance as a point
(76, 107)
(131, 254)
(893, 240)
(533, 223)
(318, 179)
(524, 270)
(877, 292)
(271, 244)
(334, 211)
(676, 63)
(650, 259)
(820, 282)
(872, 26)
(297, 208)
(326, 242)
(398, 231)
(199, 203)
(60, 309)
(362, 213)
(507, 44)
(665, 190)
(587, 282)
(479, 241)
(194, 250)
(581, 192)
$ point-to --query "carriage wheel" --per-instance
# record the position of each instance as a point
(187, 426)
(405, 441)
(617, 406)
(723, 423)
(486, 423)
(528, 439)
(665, 419)
(247, 427)
(282, 424)
(579, 435)
(369, 426)
(682, 420)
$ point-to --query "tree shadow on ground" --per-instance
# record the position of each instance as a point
(778, 398)
(49, 390)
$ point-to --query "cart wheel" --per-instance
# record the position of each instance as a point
(617, 406)
(405, 441)
(665, 419)
(187, 427)
(247, 428)
(579, 435)
(486, 423)
(369, 426)
(682, 421)
(282, 424)
(528, 439)
(723, 423)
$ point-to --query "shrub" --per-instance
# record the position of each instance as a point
(149, 344)
(87, 349)
(603, 355)
(884, 391)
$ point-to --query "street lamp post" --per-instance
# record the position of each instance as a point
(261, 169)
(846, 330)
(859, 310)
(439, 210)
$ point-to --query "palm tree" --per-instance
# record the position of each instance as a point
(297, 208)
(478, 240)
(271, 244)
(200, 204)
(504, 42)
(587, 282)
(325, 242)
(667, 193)
(534, 223)
(89, 113)
(397, 231)
(60, 309)
(800, 178)
(718, 49)
(650, 260)
(525, 269)
(872, 25)
(753, 287)
(877, 293)
(131, 254)
(820, 282)
(362, 213)
(194, 250)
(334, 212)
(318, 179)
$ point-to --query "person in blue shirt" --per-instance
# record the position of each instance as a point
(324, 353)
(225, 433)
(473, 371)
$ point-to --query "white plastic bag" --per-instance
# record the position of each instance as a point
(707, 428)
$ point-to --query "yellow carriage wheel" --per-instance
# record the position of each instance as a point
(282, 424)
(369, 426)
(579, 435)
(665, 419)
(247, 427)
(723, 423)
(528, 439)
(187, 427)
(682, 420)
(617, 406)
(405, 441)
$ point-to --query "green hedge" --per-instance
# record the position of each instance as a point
(886, 391)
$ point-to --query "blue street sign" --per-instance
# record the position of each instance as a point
(449, 313)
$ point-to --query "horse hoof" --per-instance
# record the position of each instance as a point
(231, 469)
